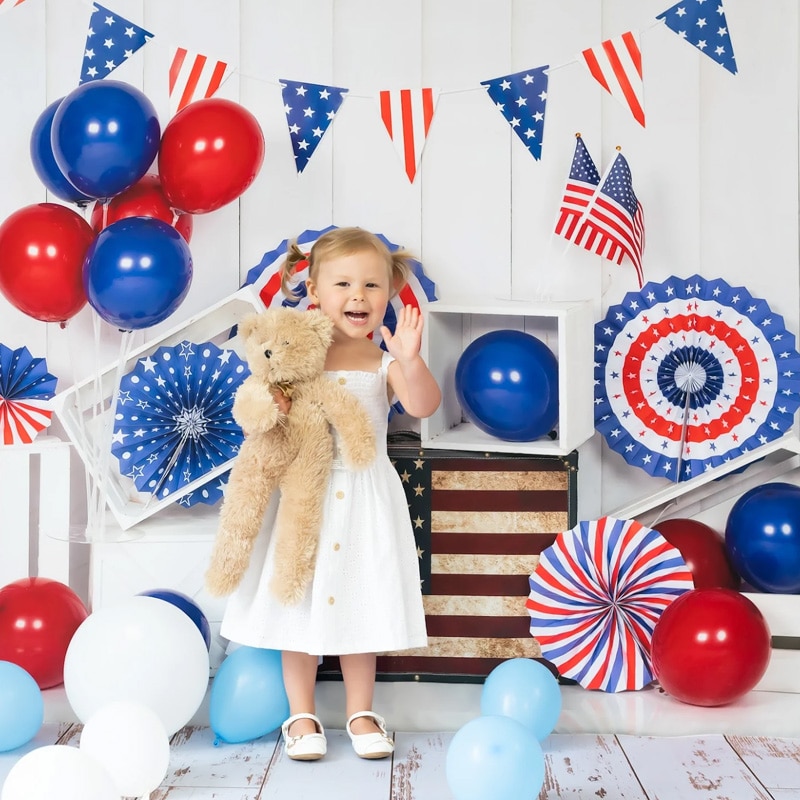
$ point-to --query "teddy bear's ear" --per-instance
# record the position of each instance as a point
(321, 324)
(247, 325)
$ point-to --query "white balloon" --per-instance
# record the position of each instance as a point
(129, 740)
(143, 650)
(58, 770)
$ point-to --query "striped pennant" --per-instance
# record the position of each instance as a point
(480, 523)
(407, 115)
(616, 64)
(7, 5)
(595, 597)
(193, 76)
(20, 421)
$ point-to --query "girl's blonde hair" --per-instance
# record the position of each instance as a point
(345, 242)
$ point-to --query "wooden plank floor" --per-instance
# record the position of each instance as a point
(577, 766)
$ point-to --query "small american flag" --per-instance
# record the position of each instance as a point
(310, 109)
(407, 115)
(193, 76)
(521, 98)
(616, 64)
(110, 40)
(614, 223)
(581, 186)
(480, 523)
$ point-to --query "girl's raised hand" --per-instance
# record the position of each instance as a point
(405, 343)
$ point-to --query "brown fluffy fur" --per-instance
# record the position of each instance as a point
(294, 453)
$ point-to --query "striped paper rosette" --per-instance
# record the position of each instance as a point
(26, 388)
(596, 595)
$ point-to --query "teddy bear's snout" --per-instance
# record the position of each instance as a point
(268, 353)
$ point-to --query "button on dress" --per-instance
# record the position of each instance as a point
(365, 595)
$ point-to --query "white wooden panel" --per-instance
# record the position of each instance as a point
(418, 768)
(54, 513)
(14, 502)
(698, 767)
(776, 762)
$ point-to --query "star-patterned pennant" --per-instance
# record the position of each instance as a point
(110, 40)
(407, 115)
(521, 98)
(310, 109)
(703, 26)
(616, 64)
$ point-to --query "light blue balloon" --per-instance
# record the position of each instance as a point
(248, 699)
(494, 757)
(21, 707)
(526, 691)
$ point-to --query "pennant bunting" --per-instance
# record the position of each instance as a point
(110, 40)
(613, 225)
(581, 186)
(193, 76)
(616, 64)
(7, 5)
(703, 26)
(407, 115)
(521, 99)
(310, 109)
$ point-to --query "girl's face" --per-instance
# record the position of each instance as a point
(353, 290)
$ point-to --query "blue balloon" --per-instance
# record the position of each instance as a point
(44, 162)
(188, 606)
(762, 537)
(21, 706)
(248, 699)
(494, 757)
(105, 135)
(507, 385)
(137, 272)
(526, 691)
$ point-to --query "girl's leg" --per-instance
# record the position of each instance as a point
(358, 671)
(299, 679)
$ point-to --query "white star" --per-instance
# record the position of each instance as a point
(118, 437)
(528, 79)
(128, 53)
(308, 112)
(224, 356)
(130, 32)
(301, 90)
(529, 134)
(287, 109)
(324, 94)
(109, 43)
(294, 128)
(110, 20)
(681, 11)
(303, 144)
(701, 23)
(514, 122)
(91, 72)
(89, 54)
(317, 132)
(505, 85)
(148, 364)
(521, 101)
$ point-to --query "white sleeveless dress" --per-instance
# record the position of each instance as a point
(365, 596)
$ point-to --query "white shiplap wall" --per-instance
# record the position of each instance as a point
(716, 168)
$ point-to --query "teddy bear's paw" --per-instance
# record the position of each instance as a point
(220, 582)
(288, 591)
(360, 455)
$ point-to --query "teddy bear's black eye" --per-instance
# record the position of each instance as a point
(286, 343)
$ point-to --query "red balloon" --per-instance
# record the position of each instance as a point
(145, 198)
(211, 151)
(704, 552)
(41, 261)
(38, 618)
(710, 647)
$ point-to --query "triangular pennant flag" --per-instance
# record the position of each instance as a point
(616, 64)
(521, 99)
(579, 191)
(613, 224)
(193, 76)
(407, 115)
(7, 5)
(110, 40)
(310, 109)
(703, 26)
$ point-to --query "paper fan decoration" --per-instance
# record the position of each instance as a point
(26, 388)
(596, 595)
(173, 420)
(690, 373)
(267, 279)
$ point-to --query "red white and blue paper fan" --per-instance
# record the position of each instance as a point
(26, 388)
(690, 373)
(596, 595)
(266, 278)
(173, 420)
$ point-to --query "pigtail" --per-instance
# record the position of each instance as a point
(294, 256)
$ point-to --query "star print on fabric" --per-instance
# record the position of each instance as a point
(110, 40)
(704, 26)
(310, 109)
(521, 98)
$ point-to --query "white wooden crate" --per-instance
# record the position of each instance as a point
(567, 328)
(27, 471)
(74, 407)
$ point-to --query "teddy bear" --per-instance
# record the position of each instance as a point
(285, 348)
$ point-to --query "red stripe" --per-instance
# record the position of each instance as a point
(487, 585)
(427, 108)
(216, 78)
(493, 464)
(478, 626)
(505, 544)
(594, 68)
(498, 500)
(386, 111)
(407, 112)
(191, 84)
(175, 67)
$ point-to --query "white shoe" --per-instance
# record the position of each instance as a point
(307, 746)
(371, 745)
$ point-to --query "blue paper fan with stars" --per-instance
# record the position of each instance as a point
(173, 421)
(690, 373)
